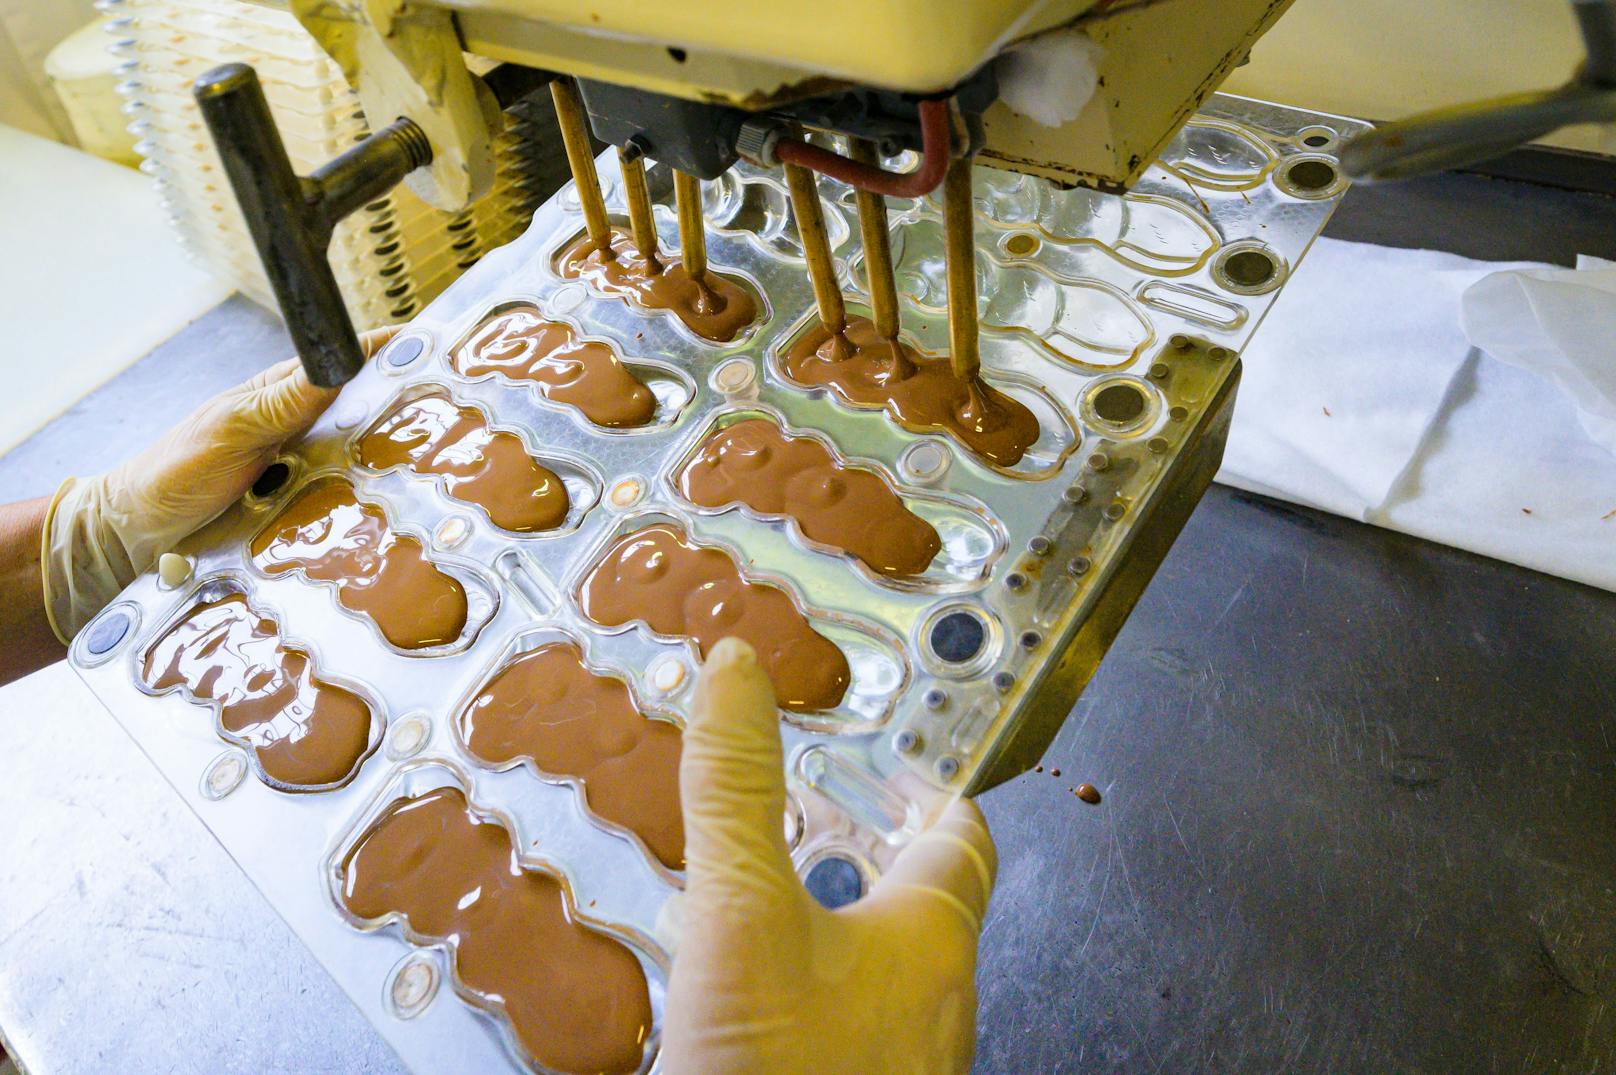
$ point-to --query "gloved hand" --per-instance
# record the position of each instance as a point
(767, 980)
(102, 532)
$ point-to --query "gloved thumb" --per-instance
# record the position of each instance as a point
(732, 786)
(281, 402)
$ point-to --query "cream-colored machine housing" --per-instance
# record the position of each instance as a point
(1155, 62)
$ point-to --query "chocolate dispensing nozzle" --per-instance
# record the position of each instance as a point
(581, 158)
(638, 195)
(816, 247)
(872, 214)
(692, 237)
(291, 218)
(959, 248)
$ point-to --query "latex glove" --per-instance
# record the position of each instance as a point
(767, 980)
(100, 533)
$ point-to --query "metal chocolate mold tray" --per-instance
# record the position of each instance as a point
(1123, 314)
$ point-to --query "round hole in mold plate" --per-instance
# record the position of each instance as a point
(834, 881)
(272, 479)
(1315, 137)
(1309, 177)
(1120, 406)
(1248, 268)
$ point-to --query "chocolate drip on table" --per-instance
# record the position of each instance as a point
(330, 535)
(576, 998)
(919, 392)
(714, 307)
(305, 732)
(696, 591)
(520, 345)
(548, 706)
(754, 463)
(432, 434)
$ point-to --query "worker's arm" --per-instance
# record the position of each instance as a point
(29, 642)
(765, 979)
(63, 559)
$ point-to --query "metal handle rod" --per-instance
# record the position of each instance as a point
(575, 136)
(291, 219)
(872, 213)
(692, 237)
(639, 205)
(959, 248)
(816, 248)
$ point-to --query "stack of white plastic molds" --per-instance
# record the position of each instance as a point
(1115, 319)
(393, 256)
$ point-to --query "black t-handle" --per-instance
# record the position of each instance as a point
(291, 218)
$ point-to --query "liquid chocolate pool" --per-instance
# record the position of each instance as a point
(547, 706)
(696, 591)
(305, 732)
(432, 434)
(576, 998)
(715, 308)
(519, 344)
(919, 392)
(330, 535)
(754, 463)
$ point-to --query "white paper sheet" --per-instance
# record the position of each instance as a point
(1363, 396)
(90, 277)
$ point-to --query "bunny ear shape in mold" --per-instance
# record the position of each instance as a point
(831, 671)
(378, 572)
(523, 712)
(303, 731)
(424, 842)
(1218, 154)
(1030, 434)
(753, 461)
(757, 207)
(520, 343)
(424, 430)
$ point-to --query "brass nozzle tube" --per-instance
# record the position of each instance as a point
(816, 247)
(575, 136)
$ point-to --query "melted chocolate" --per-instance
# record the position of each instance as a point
(576, 998)
(305, 732)
(547, 706)
(754, 463)
(1088, 793)
(520, 345)
(715, 307)
(919, 392)
(678, 588)
(330, 535)
(490, 468)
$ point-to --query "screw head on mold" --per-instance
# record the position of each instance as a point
(735, 377)
(407, 737)
(451, 531)
(667, 674)
(413, 985)
(223, 775)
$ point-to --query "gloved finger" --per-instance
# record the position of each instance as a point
(377, 338)
(279, 403)
(732, 784)
(954, 860)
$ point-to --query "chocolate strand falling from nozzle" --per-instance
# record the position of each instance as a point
(872, 210)
(575, 136)
(816, 247)
(959, 243)
(638, 195)
(692, 239)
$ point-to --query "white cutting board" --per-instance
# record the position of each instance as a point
(91, 278)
